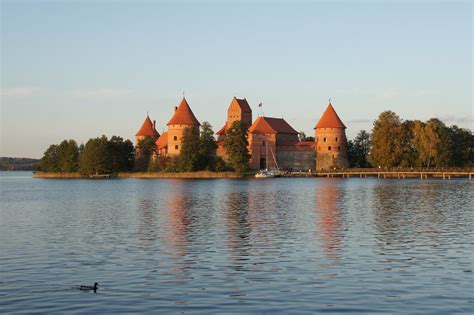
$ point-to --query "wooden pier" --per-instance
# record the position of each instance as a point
(446, 175)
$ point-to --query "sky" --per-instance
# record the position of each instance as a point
(80, 69)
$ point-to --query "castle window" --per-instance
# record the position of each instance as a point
(176, 147)
(175, 138)
(324, 139)
(338, 148)
(336, 139)
(263, 143)
(329, 148)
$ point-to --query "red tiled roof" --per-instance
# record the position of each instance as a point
(222, 130)
(184, 115)
(147, 129)
(243, 104)
(271, 125)
(280, 125)
(162, 141)
(330, 119)
(261, 125)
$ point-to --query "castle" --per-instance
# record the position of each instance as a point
(272, 141)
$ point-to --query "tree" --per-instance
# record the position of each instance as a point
(68, 156)
(461, 146)
(236, 146)
(432, 143)
(96, 158)
(144, 150)
(122, 154)
(386, 140)
(189, 156)
(409, 154)
(358, 150)
(50, 160)
(207, 147)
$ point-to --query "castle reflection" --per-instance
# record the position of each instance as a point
(329, 221)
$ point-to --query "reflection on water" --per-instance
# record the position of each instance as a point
(236, 246)
(329, 218)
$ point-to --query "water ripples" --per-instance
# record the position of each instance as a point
(236, 246)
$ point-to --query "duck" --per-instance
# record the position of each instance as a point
(89, 288)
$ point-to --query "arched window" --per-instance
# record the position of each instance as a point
(338, 148)
(175, 138)
(336, 139)
(176, 147)
(263, 143)
(329, 148)
(324, 139)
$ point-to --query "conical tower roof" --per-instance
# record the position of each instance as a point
(147, 129)
(183, 115)
(330, 119)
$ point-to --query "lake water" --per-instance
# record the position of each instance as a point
(303, 245)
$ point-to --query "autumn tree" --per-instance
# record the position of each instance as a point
(236, 146)
(386, 140)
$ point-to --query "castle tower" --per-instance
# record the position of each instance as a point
(148, 129)
(239, 109)
(331, 141)
(183, 118)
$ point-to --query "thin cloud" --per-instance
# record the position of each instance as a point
(101, 93)
(19, 91)
(360, 121)
(456, 119)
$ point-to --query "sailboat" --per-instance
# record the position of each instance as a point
(267, 173)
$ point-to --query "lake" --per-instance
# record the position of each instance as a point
(283, 245)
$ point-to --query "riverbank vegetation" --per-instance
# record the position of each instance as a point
(394, 142)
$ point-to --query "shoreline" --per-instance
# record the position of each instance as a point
(422, 175)
(142, 175)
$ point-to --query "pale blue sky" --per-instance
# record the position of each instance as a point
(80, 69)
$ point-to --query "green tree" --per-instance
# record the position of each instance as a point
(409, 154)
(461, 146)
(68, 156)
(96, 159)
(207, 147)
(50, 160)
(190, 153)
(386, 146)
(236, 146)
(146, 147)
(122, 154)
(358, 150)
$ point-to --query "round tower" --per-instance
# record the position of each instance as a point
(183, 118)
(331, 141)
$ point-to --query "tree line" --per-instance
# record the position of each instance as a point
(394, 142)
(98, 156)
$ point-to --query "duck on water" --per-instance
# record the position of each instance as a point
(89, 288)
